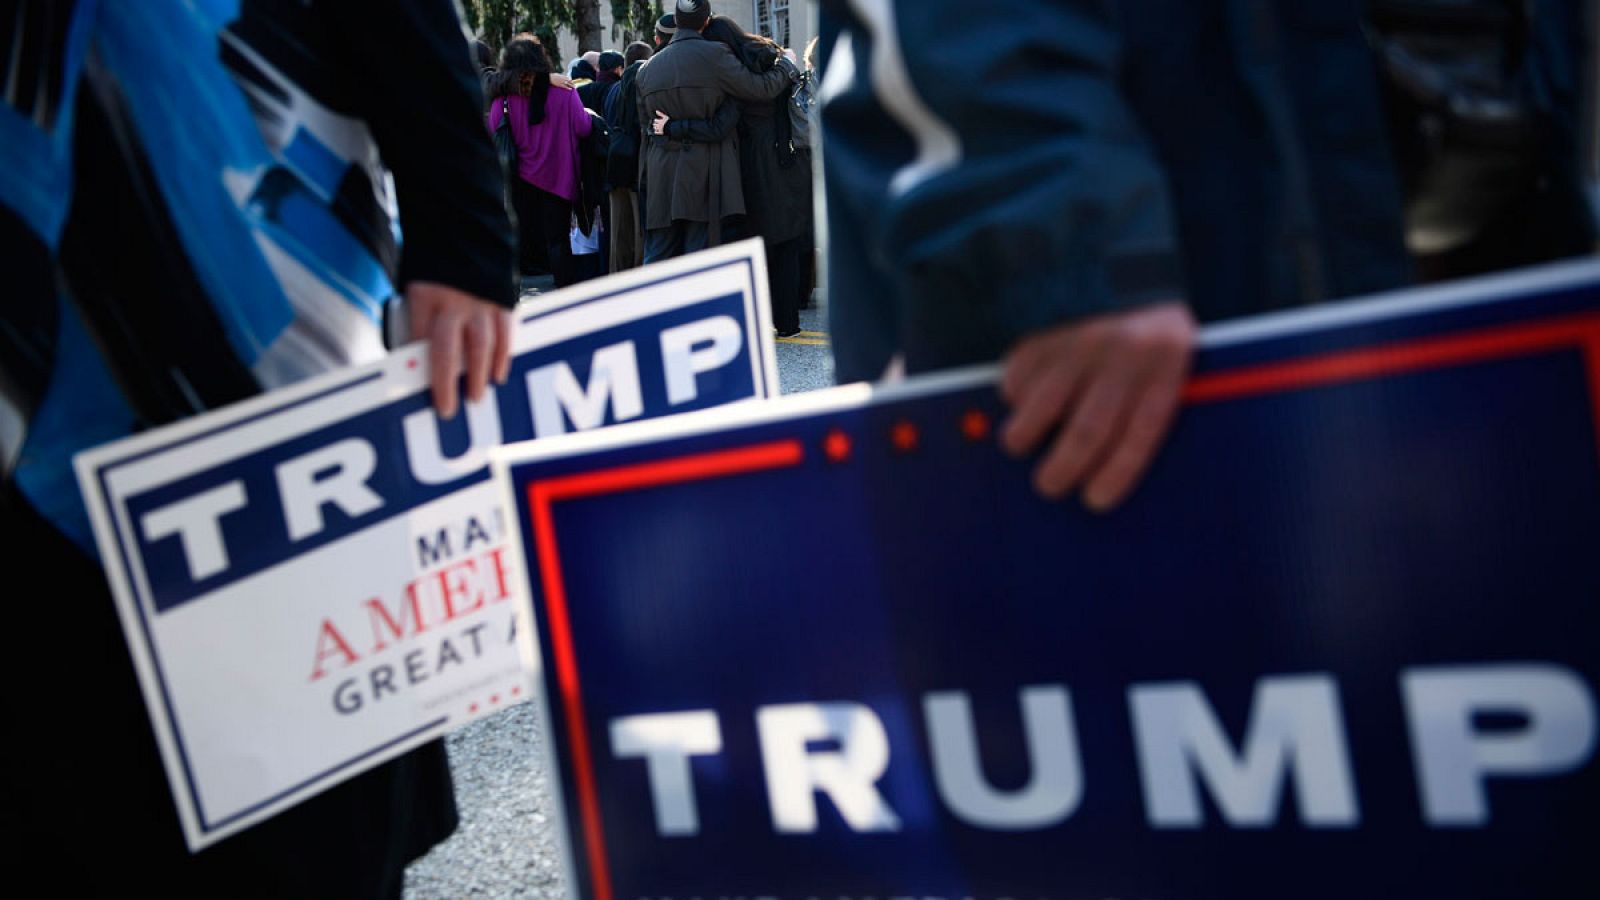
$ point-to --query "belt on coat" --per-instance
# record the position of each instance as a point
(661, 140)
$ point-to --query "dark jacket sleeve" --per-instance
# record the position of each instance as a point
(425, 117)
(1027, 195)
(706, 131)
(738, 81)
(622, 162)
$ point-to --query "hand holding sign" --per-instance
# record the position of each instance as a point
(1111, 383)
(462, 331)
(1352, 617)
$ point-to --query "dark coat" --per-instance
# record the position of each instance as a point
(622, 162)
(1226, 152)
(594, 93)
(689, 79)
(592, 190)
(776, 179)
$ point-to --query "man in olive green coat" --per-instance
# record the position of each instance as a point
(690, 187)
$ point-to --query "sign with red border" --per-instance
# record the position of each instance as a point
(1344, 640)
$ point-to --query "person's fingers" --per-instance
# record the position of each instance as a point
(502, 347)
(1021, 365)
(1091, 428)
(1153, 413)
(1083, 386)
(420, 313)
(444, 362)
(1042, 400)
(478, 336)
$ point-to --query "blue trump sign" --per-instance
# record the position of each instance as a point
(315, 581)
(1344, 640)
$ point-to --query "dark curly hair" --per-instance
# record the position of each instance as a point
(524, 53)
(524, 71)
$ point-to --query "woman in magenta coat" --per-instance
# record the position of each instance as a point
(547, 122)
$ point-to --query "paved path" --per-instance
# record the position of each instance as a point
(804, 363)
(506, 845)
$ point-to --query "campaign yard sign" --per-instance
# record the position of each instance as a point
(315, 581)
(1343, 641)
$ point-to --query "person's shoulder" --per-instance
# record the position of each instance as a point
(697, 45)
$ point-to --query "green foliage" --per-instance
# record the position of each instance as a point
(497, 20)
(634, 20)
(552, 45)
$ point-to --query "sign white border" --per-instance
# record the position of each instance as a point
(109, 474)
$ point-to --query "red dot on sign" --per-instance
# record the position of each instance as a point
(516, 691)
(473, 708)
(975, 425)
(411, 363)
(494, 698)
(904, 436)
(837, 446)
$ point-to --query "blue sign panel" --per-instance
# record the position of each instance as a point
(642, 349)
(1343, 641)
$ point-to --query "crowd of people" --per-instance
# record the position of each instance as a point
(637, 156)
(1448, 149)
(195, 208)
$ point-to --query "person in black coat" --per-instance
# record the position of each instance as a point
(606, 76)
(1076, 212)
(84, 778)
(622, 163)
(691, 189)
(775, 178)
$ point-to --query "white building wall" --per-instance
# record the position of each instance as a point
(801, 23)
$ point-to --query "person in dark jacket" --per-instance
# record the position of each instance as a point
(690, 188)
(142, 212)
(775, 178)
(1485, 102)
(637, 52)
(607, 74)
(1165, 161)
(622, 163)
(484, 56)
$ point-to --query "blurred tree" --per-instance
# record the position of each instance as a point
(494, 20)
(586, 22)
(634, 20)
(497, 20)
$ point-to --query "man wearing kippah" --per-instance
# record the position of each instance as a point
(689, 188)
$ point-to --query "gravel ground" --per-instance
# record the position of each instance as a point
(804, 363)
(506, 845)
